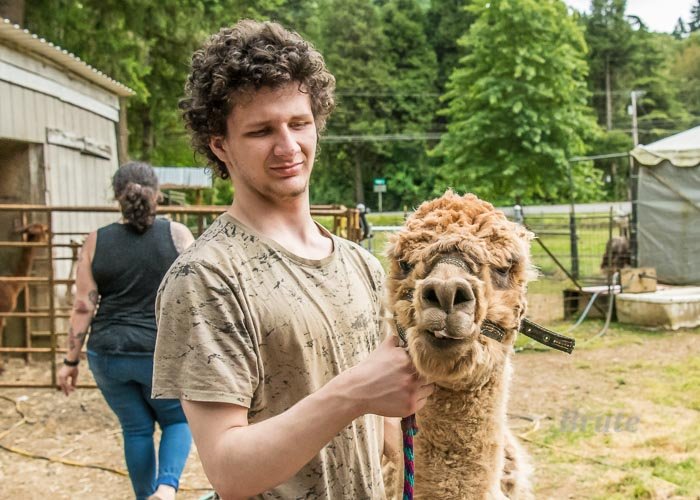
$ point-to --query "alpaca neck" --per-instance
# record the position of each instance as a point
(24, 266)
(461, 435)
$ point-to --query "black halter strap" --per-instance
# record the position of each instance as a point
(496, 332)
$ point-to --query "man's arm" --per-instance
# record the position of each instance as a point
(243, 460)
(84, 305)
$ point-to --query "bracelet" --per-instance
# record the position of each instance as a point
(71, 363)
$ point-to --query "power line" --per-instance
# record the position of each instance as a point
(428, 136)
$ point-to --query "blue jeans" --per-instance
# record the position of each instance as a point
(125, 382)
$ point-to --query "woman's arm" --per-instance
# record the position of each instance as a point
(84, 305)
(182, 237)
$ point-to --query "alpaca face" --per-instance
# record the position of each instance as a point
(35, 232)
(456, 263)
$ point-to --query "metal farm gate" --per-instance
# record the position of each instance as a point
(44, 311)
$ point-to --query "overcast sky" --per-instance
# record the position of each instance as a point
(659, 15)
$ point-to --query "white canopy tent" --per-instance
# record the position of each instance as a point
(667, 207)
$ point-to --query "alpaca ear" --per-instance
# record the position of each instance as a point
(18, 228)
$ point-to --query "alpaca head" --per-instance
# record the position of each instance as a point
(35, 232)
(456, 263)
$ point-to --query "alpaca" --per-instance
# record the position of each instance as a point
(35, 233)
(457, 269)
(617, 255)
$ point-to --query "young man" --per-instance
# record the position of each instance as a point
(269, 325)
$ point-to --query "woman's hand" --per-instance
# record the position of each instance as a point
(67, 379)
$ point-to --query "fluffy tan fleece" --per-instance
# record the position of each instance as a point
(464, 449)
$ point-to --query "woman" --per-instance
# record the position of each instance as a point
(120, 268)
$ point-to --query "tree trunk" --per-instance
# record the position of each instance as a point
(608, 96)
(13, 10)
(147, 135)
(359, 191)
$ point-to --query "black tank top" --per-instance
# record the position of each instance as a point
(128, 268)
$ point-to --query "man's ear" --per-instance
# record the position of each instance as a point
(218, 147)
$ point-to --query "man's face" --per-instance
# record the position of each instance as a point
(270, 144)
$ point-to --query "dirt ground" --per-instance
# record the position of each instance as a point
(611, 379)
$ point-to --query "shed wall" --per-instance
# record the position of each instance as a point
(35, 96)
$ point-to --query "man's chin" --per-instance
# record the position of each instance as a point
(289, 193)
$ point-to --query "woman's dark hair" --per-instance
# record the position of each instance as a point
(249, 56)
(135, 187)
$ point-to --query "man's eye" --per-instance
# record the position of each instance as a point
(257, 133)
(299, 124)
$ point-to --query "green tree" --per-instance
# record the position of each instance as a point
(659, 111)
(517, 105)
(686, 68)
(615, 171)
(146, 45)
(355, 50)
(446, 22)
(694, 24)
(680, 30)
(609, 39)
(413, 99)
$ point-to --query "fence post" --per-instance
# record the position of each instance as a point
(573, 244)
(572, 227)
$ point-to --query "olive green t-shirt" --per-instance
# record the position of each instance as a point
(241, 320)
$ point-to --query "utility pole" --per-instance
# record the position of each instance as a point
(632, 110)
(608, 96)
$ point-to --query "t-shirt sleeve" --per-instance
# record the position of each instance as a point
(205, 350)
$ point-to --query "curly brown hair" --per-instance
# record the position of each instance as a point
(249, 56)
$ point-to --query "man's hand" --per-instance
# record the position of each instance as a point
(386, 383)
(67, 379)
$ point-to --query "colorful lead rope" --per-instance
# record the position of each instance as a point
(409, 429)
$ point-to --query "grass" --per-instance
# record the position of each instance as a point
(631, 486)
(662, 457)
(677, 384)
(685, 474)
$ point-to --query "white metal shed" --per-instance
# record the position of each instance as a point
(62, 131)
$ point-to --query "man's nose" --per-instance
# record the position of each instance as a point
(286, 144)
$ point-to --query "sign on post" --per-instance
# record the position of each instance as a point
(379, 188)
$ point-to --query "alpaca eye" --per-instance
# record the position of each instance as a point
(405, 266)
(502, 271)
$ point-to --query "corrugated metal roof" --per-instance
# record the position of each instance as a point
(23, 38)
(185, 177)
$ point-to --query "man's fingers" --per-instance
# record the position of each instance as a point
(425, 391)
(391, 340)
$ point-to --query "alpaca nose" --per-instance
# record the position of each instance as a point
(447, 294)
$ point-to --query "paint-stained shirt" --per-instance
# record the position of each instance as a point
(242, 320)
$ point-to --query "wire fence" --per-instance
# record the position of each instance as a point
(569, 252)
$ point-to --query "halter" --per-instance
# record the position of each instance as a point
(496, 332)
(489, 329)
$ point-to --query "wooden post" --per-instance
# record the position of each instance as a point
(52, 298)
(122, 134)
